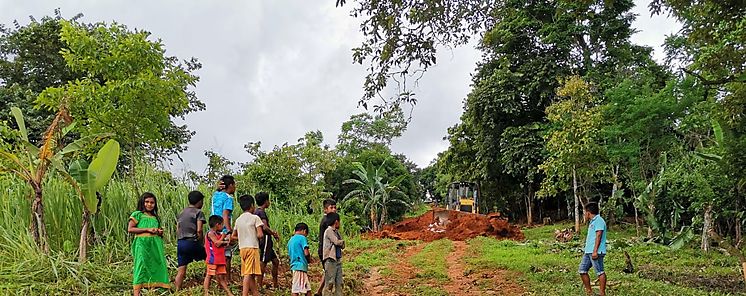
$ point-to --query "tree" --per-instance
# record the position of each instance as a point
(573, 143)
(364, 130)
(31, 164)
(217, 166)
(30, 61)
(130, 89)
(376, 195)
(293, 174)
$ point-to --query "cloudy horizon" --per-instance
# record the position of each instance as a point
(273, 70)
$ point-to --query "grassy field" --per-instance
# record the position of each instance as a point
(539, 265)
(546, 267)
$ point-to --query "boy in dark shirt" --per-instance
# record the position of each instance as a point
(266, 244)
(189, 247)
(330, 206)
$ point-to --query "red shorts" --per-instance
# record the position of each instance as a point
(213, 269)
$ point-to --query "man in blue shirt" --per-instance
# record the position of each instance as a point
(595, 249)
(222, 205)
(299, 257)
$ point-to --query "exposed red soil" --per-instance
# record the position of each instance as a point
(459, 226)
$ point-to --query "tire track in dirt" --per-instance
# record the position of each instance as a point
(464, 282)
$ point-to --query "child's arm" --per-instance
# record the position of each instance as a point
(132, 228)
(599, 235)
(259, 232)
(333, 239)
(217, 240)
(200, 226)
(307, 254)
(234, 235)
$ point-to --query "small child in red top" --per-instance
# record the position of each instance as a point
(215, 250)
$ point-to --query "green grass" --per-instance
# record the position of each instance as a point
(431, 261)
(546, 267)
(25, 271)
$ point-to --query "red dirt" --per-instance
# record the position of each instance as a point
(460, 226)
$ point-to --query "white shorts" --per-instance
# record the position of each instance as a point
(301, 284)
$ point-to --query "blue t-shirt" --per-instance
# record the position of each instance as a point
(297, 244)
(222, 201)
(596, 224)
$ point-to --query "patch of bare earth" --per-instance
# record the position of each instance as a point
(465, 282)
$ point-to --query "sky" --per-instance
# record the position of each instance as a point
(275, 69)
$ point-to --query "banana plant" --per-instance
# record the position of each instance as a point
(88, 179)
(31, 163)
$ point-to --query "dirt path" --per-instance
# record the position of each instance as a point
(460, 284)
(463, 282)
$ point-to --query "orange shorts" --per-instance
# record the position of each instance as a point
(250, 264)
(213, 269)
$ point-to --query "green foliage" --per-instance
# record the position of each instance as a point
(574, 141)
(92, 178)
(129, 89)
(30, 61)
(292, 174)
(363, 131)
(375, 195)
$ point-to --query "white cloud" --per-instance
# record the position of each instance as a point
(273, 70)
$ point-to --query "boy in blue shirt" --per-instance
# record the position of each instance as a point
(595, 249)
(299, 257)
(222, 205)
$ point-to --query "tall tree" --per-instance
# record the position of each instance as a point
(30, 61)
(574, 142)
(130, 88)
(365, 130)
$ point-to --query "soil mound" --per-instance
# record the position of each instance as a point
(454, 225)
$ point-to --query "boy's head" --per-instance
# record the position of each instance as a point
(196, 199)
(330, 206)
(301, 228)
(230, 184)
(215, 222)
(332, 219)
(246, 202)
(262, 199)
(591, 210)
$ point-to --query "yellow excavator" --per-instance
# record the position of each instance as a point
(463, 196)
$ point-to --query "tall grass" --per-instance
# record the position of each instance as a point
(24, 270)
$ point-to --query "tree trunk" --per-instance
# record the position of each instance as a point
(706, 228)
(383, 219)
(529, 202)
(38, 229)
(575, 193)
(651, 209)
(613, 199)
(373, 219)
(738, 233)
(637, 220)
(83, 245)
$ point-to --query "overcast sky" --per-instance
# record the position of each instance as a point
(274, 69)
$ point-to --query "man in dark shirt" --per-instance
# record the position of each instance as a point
(266, 244)
(330, 206)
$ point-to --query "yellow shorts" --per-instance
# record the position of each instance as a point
(250, 264)
(216, 269)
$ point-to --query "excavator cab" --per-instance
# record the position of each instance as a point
(463, 196)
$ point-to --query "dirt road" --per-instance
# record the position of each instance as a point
(400, 277)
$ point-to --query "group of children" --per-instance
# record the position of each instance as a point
(250, 234)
